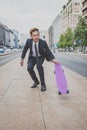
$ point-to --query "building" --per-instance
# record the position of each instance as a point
(16, 35)
(8, 37)
(50, 35)
(44, 35)
(23, 38)
(12, 39)
(56, 29)
(84, 8)
(47, 37)
(4, 36)
(70, 15)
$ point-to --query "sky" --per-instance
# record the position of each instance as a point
(25, 14)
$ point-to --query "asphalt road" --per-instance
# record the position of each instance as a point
(73, 62)
(6, 58)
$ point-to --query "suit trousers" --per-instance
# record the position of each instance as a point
(30, 67)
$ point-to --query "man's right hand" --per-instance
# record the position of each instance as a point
(22, 63)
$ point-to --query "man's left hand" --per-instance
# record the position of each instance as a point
(55, 61)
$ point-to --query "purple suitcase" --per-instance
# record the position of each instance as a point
(61, 80)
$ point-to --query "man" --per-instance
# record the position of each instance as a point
(38, 52)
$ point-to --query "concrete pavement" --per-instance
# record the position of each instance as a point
(23, 108)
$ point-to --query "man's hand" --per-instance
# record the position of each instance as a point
(55, 61)
(22, 62)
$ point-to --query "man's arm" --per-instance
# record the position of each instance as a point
(24, 53)
(50, 54)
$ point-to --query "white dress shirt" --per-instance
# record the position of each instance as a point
(33, 49)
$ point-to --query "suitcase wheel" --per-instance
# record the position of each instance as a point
(59, 93)
(67, 91)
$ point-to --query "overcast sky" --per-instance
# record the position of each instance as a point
(25, 14)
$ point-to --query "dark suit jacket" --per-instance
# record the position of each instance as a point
(43, 49)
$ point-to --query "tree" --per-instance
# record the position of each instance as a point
(80, 33)
(64, 6)
(66, 39)
(69, 37)
(61, 43)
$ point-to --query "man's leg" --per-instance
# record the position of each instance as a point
(30, 67)
(41, 73)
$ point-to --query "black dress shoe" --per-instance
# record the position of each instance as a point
(43, 88)
(35, 85)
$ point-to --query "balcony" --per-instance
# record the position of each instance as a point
(84, 6)
(83, 1)
(85, 13)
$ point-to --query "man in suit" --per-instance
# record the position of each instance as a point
(38, 52)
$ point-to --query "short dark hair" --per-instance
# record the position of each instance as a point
(33, 30)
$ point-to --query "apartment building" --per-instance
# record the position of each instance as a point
(69, 16)
(84, 8)
(50, 35)
(56, 29)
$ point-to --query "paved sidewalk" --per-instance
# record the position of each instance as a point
(23, 108)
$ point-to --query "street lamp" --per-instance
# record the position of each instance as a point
(74, 43)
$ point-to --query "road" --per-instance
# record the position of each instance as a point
(73, 62)
(6, 58)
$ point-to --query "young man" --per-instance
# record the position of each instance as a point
(38, 52)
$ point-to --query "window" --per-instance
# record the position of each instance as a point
(75, 3)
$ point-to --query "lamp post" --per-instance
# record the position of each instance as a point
(74, 43)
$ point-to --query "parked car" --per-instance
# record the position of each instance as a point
(85, 51)
(71, 49)
(1, 50)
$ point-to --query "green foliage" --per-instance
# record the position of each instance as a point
(64, 6)
(66, 40)
(69, 37)
(79, 35)
(81, 31)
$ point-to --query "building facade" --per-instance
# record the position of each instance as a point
(8, 37)
(50, 35)
(23, 38)
(56, 29)
(84, 8)
(2, 35)
(44, 35)
(70, 15)
(16, 35)
(12, 39)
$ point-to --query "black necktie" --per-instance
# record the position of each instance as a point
(36, 52)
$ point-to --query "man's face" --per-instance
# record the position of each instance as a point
(35, 36)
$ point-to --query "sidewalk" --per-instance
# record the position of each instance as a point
(23, 108)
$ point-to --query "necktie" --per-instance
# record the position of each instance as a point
(36, 52)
